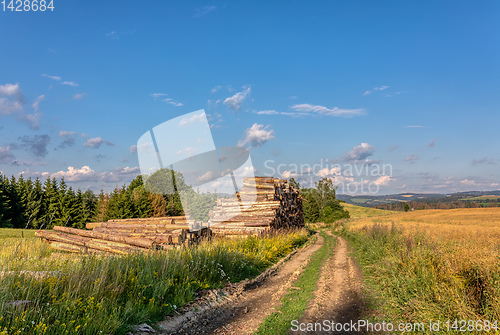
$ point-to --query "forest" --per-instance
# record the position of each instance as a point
(418, 205)
(27, 203)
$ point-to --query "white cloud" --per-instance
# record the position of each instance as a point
(360, 153)
(167, 100)
(157, 95)
(12, 103)
(63, 133)
(216, 89)
(193, 119)
(202, 11)
(189, 150)
(36, 104)
(206, 177)
(85, 173)
(411, 158)
(133, 149)
(256, 136)
(173, 102)
(70, 83)
(79, 96)
(69, 138)
(414, 126)
(10, 89)
(96, 142)
(52, 77)
(322, 110)
(325, 172)
(375, 89)
(112, 35)
(236, 101)
(267, 112)
(73, 174)
(382, 181)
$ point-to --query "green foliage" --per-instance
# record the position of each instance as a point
(198, 205)
(320, 203)
(31, 204)
(4, 204)
(407, 207)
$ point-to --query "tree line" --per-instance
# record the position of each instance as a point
(418, 205)
(31, 204)
(27, 203)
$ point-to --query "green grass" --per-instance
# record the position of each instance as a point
(361, 212)
(107, 294)
(16, 233)
(296, 300)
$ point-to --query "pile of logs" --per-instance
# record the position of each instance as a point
(125, 235)
(263, 203)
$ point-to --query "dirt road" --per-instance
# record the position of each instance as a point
(240, 311)
(338, 295)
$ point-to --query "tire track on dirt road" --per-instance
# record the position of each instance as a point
(338, 296)
(246, 310)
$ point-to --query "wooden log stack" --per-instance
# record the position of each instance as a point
(125, 235)
(264, 203)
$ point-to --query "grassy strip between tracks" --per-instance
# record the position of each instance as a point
(297, 299)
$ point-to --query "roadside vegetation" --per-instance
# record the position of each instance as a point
(431, 264)
(107, 294)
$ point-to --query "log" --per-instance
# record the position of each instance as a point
(109, 246)
(73, 248)
(142, 226)
(139, 242)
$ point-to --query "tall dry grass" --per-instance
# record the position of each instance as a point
(107, 294)
(432, 264)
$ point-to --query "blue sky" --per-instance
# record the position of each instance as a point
(413, 84)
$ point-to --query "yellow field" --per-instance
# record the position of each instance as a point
(432, 264)
(470, 235)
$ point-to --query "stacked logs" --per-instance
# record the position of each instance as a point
(125, 235)
(263, 203)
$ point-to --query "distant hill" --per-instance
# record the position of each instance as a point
(371, 200)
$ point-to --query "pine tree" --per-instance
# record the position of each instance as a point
(51, 203)
(89, 206)
(14, 212)
(4, 205)
(34, 207)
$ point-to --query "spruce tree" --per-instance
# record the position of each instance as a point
(4, 205)
(34, 207)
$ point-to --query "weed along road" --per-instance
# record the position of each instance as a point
(318, 282)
